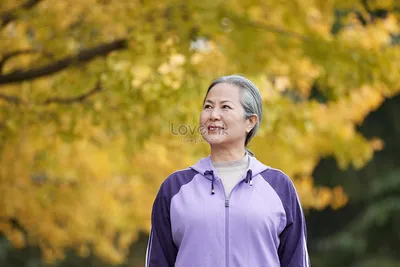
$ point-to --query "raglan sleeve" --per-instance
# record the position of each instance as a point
(293, 250)
(161, 249)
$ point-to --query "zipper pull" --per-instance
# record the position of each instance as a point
(227, 202)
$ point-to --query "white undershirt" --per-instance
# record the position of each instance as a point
(230, 172)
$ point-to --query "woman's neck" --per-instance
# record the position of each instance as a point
(219, 154)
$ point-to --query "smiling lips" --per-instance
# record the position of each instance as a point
(214, 128)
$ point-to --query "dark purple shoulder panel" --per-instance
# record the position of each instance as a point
(292, 249)
(171, 186)
(162, 251)
(282, 185)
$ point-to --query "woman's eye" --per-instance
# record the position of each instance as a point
(207, 106)
(226, 106)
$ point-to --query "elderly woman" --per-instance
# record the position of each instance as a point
(229, 209)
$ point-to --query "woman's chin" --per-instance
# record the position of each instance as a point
(214, 140)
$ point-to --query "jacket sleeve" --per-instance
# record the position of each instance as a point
(292, 250)
(161, 250)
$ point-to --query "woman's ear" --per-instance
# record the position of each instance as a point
(251, 122)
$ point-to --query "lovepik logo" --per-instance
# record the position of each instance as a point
(183, 129)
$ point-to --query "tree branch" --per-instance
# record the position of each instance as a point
(15, 100)
(271, 28)
(377, 13)
(10, 55)
(14, 223)
(71, 100)
(53, 67)
(366, 6)
(277, 30)
(10, 15)
(11, 99)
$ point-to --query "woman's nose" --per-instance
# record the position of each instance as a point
(215, 114)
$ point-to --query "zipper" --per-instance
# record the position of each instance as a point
(227, 198)
(226, 224)
(227, 236)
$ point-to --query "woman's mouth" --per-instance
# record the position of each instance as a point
(214, 128)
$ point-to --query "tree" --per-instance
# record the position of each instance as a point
(100, 103)
(364, 232)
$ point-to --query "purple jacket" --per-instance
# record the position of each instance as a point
(261, 223)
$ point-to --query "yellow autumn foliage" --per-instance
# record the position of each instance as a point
(99, 103)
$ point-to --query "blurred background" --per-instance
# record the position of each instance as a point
(99, 103)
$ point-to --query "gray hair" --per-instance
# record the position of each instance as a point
(251, 99)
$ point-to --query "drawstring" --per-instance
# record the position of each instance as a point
(212, 180)
(249, 177)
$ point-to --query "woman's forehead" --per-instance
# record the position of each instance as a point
(223, 92)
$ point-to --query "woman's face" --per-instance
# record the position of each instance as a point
(222, 119)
